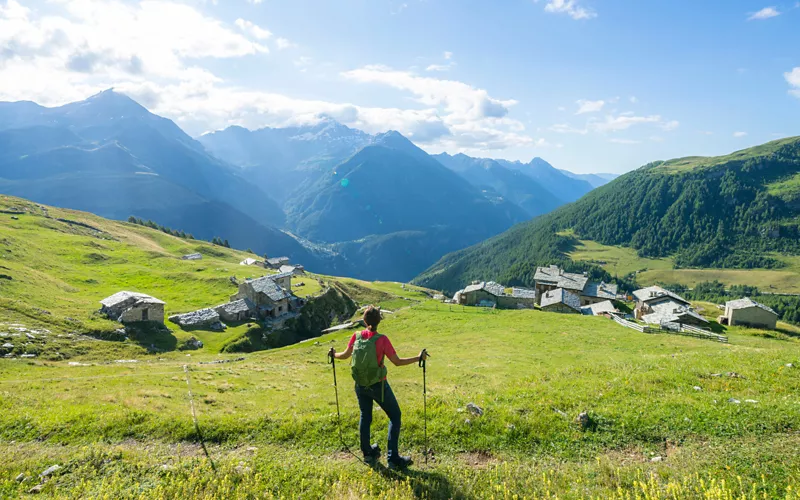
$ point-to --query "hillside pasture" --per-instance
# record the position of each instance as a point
(666, 413)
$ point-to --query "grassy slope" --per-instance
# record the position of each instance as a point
(532, 372)
(60, 272)
(621, 261)
(125, 430)
(700, 162)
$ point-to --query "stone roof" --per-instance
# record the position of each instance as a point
(671, 312)
(747, 303)
(555, 276)
(656, 292)
(560, 295)
(287, 269)
(599, 308)
(276, 261)
(523, 293)
(601, 290)
(122, 297)
(267, 286)
(491, 287)
(248, 262)
(203, 317)
(283, 274)
(237, 306)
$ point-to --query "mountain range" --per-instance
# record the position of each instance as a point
(739, 211)
(329, 196)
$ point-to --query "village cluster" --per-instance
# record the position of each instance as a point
(269, 299)
(558, 291)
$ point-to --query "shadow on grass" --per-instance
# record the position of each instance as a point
(424, 483)
(788, 333)
(716, 327)
(152, 336)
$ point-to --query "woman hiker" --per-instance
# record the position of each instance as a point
(369, 350)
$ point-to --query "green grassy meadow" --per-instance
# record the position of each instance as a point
(669, 416)
(621, 261)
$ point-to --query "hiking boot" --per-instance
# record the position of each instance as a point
(400, 463)
(372, 457)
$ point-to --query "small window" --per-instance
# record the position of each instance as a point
(145, 314)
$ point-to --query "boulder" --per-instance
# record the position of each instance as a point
(475, 409)
(583, 420)
(48, 471)
(193, 343)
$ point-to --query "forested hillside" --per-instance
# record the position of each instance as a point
(735, 211)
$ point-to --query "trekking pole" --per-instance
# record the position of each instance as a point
(423, 364)
(332, 360)
(194, 417)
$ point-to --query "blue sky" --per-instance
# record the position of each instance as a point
(589, 85)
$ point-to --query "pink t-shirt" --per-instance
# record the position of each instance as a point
(382, 346)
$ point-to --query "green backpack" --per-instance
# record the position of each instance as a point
(365, 367)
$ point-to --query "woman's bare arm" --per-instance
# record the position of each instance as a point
(342, 355)
(398, 361)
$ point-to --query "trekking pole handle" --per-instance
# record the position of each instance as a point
(422, 358)
(331, 357)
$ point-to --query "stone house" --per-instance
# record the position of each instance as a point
(589, 292)
(595, 293)
(236, 311)
(560, 300)
(294, 269)
(605, 308)
(270, 295)
(276, 262)
(521, 298)
(656, 306)
(553, 277)
(483, 293)
(250, 262)
(748, 312)
(132, 307)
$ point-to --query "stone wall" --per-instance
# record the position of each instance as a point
(752, 316)
(155, 312)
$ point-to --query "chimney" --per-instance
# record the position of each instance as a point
(585, 274)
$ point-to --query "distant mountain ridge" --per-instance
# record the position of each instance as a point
(736, 211)
(372, 206)
(110, 156)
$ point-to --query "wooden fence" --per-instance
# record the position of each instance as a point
(685, 330)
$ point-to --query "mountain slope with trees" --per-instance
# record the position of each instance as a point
(736, 211)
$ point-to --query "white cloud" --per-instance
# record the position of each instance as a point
(453, 96)
(283, 43)
(563, 128)
(255, 2)
(472, 116)
(448, 55)
(570, 8)
(585, 106)
(624, 141)
(438, 67)
(633, 99)
(739, 134)
(670, 125)
(793, 79)
(622, 122)
(656, 138)
(252, 29)
(765, 13)
(706, 132)
(152, 50)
